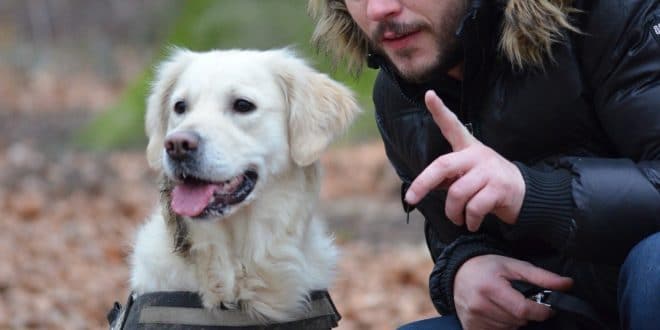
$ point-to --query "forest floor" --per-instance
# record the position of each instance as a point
(68, 217)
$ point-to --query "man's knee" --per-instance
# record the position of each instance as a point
(639, 284)
(448, 322)
(643, 259)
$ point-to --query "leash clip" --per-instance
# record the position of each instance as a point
(540, 297)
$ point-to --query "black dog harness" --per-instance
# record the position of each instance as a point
(184, 310)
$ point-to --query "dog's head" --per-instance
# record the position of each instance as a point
(221, 123)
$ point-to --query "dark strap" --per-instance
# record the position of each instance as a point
(562, 302)
(184, 310)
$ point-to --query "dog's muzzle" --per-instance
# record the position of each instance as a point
(193, 193)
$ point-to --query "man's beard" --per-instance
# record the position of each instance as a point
(449, 55)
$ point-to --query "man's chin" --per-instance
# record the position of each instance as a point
(415, 71)
(418, 68)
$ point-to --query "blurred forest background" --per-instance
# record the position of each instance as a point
(74, 184)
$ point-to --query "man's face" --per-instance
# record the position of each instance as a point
(417, 36)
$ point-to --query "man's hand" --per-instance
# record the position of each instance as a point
(484, 298)
(478, 180)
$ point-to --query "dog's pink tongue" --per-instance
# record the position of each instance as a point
(191, 199)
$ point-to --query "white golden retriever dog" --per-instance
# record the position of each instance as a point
(237, 135)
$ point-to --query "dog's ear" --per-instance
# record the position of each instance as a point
(319, 107)
(158, 110)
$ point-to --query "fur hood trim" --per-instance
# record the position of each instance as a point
(528, 31)
(530, 28)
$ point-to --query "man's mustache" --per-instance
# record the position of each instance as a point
(394, 27)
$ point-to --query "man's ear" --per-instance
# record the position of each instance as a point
(158, 110)
(319, 107)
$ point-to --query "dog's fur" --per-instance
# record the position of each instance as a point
(265, 254)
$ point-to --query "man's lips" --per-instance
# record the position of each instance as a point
(397, 41)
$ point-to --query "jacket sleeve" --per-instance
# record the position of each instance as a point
(599, 208)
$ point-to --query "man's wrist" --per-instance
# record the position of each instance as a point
(441, 282)
(547, 210)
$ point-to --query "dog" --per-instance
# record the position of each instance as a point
(236, 136)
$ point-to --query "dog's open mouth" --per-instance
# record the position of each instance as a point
(197, 198)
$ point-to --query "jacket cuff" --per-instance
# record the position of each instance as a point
(547, 210)
(441, 281)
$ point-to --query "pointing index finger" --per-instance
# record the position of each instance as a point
(452, 128)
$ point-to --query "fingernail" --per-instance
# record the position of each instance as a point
(410, 197)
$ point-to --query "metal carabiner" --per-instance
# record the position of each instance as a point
(540, 297)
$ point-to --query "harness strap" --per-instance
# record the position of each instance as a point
(184, 310)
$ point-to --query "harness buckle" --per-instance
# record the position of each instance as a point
(118, 314)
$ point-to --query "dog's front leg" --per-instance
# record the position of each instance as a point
(216, 276)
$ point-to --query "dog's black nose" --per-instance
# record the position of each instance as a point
(180, 145)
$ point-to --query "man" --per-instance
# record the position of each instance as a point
(528, 135)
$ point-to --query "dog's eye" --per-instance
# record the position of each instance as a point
(180, 107)
(242, 105)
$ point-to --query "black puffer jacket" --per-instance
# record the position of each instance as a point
(584, 131)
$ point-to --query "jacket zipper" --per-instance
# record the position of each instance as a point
(469, 121)
(466, 120)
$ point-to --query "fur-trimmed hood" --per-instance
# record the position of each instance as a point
(528, 31)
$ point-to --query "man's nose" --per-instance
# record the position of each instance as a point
(378, 10)
(180, 145)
